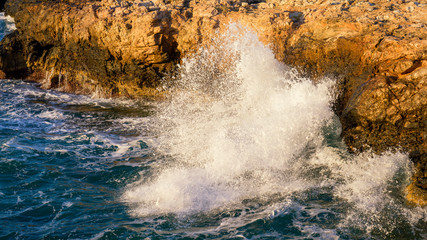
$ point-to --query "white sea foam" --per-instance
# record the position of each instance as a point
(240, 125)
(134, 124)
(52, 114)
(67, 204)
(7, 24)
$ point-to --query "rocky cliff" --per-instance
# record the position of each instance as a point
(376, 50)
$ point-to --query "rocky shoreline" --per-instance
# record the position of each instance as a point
(377, 51)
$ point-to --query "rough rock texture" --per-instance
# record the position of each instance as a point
(377, 51)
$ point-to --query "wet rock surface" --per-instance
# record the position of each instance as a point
(377, 51)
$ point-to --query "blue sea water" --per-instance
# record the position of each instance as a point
(60, 170)
(228, 157)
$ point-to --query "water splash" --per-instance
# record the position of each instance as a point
(242, 128)
(234, 125)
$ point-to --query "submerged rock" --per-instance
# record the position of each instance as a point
(376, 50)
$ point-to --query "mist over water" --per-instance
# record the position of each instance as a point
(243, 132)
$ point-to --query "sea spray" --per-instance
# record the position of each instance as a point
(243, 131)
(234, 135)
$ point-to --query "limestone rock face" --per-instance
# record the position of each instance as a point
(376, 50)
(102, 47)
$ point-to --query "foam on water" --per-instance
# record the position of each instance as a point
(70, 122)
(62, 159)
(242, 127)
(7, 25)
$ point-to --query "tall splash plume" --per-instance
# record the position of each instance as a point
(240, 126)
(235, 125)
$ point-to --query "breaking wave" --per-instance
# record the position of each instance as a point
(243, 132)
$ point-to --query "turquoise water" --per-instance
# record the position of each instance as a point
(231, 156)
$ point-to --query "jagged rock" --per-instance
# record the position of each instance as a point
(376, 50)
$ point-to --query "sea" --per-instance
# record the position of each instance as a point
(242, 147)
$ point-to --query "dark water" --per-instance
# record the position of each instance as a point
(266, 163)
(62, 167)
(66, 160)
